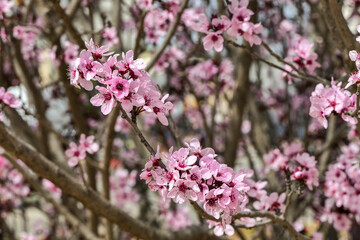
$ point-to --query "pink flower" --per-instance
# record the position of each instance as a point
(51, 188)
(9, 99)
(354, 79)
(250, 31)
(221, 229)
(220, 25)
(273, 203)
(97, 52)
(105, 99)
(128, 62)
(119, 87)
(88, 144)
(202, 25)
(256, 189)
(274, 160)
(341, 222)
(184, 190)
(308, 171)
(324, 101)
(160, 108)
(5, 7)
(70, 53)
(213, 40)
(237, 5)
(75, 153)
(110, 36)
(178, 219)
(211, 205)
(88, 66)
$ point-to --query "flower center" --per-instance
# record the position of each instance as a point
(214, 38)
(107, 96)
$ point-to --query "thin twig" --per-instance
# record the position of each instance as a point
(276, 219)
(68, 24)
(137, 131)
(323, 81)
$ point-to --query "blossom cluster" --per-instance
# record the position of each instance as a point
(192, 173)
(237, 25)
(334, 99)
(9, 99)
(342, 189)
(122, 184)
(77, 152)
(207, 77)
(13, 188)
(300, 53)
(295, 162)
(174, 219)
(5, 7)
(110, 36)
(125, 81)
(28, 36)
(160, 15)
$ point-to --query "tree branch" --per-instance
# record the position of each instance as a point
(70, 218)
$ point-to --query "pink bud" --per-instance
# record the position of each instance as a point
(298, 175)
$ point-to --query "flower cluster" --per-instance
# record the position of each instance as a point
(238, 25)
(325, 101)
(207, 77)
(300, 53)
(174, 219)
(124, 81)
(70, 53)
(110, 36)
(9, 99)
(160, 15)
(5, 7)
(295, 162)
(12, 187)
(192, 173)
(342, 189)
(28, 36)
(78, 152)
(122, 184)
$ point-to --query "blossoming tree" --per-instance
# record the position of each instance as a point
(252, 107)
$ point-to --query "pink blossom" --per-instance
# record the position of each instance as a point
(97, 52)
(354, 79)
(220, 25)
(273, 203)
(110, 36)
(120, 87)
(70, 52)
(250, 30)
(88, 66)
(52, 188)
(5, 7)
(75, 153)
(184, 190)
(9, 99)
(88, 144)
(213, 40)
(105, 99)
